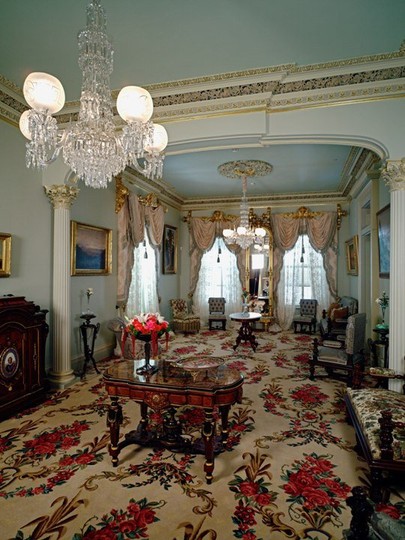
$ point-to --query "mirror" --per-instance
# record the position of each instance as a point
(259, 273)
(5, 254)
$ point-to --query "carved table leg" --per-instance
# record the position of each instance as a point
(208, 432)
(224, 421)
(114, 419)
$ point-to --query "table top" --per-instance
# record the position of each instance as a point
(212, 376)
(250, 316)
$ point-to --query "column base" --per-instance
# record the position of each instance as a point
(60, 381)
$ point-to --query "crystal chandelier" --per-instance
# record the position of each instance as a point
(92, 147)
(245, 235)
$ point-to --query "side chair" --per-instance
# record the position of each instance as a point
(306, 318)
(216, 307)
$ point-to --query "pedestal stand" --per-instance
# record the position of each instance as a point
(147, 368)
(89, 333)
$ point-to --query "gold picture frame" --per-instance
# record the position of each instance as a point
(352, 256)
(169, 253)
(90, 250)
(5, 254)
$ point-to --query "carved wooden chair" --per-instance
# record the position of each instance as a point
(335, 355)
(183, 320)
(216, 307)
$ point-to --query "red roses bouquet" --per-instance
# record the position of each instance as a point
(146, 327)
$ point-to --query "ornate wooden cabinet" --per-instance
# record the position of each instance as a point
(23, 333)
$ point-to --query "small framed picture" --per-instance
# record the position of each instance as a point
(383, 228)
(352, 256)
(169, 250)
(90, 250)
(5, 254)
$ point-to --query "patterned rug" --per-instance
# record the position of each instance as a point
(285, 473)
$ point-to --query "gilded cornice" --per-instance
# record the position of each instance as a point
(371, 78)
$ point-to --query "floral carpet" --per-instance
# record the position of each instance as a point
(285, 472)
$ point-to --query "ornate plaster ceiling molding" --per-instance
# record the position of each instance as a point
(249, 168)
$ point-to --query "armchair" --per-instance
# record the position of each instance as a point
(183, 320)
(216, 307)
(306, 318)
(342, 356)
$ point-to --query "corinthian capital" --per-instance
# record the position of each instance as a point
(62, 196)
(393, 174)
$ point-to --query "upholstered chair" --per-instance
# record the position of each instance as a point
(334, 320)
(341, 356)
(306, 318)
(183, 320)
(216, 307)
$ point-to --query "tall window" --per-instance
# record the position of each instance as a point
(219, 276)
(302, 276)
(143, 297)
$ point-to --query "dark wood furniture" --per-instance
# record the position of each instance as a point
(245, 331)
(383, 341)
(305, 319)
(378, 415)
(89, 332)
(168, 388)
(367, 523)
(23, 333)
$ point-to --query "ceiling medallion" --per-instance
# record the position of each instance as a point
(245, 168)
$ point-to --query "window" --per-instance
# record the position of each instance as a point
(218, 276)
(302, 276)
(143, 297)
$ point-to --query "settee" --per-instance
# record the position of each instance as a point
(378, 415)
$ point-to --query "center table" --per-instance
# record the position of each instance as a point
(197, 381)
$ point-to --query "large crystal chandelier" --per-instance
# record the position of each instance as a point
(245, 235)
(92, 147)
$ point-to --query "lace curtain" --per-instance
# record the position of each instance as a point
(218, 279)
(322, 235)
(132, 220)
(301, 280)
(143, 295)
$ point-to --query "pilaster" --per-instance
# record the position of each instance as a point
(394, 176)
(61, 198)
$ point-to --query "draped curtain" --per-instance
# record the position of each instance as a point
(202, 237)
(132, 220)
(218, 277)
(322, 234)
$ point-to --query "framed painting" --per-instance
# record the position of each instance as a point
(352, 256)
(5, 255)
(90, 250)
(169, 250)
(383, 228)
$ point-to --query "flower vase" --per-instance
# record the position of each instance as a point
(147, 368)
(245, 308)
(382, 323)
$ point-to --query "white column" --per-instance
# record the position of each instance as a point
(61, 197)
(394, 176)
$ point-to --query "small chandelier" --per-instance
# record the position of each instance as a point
(245, 235)
(91, 147)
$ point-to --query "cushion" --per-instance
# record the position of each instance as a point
(332, 307)
(331, 343)
(339, 313)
